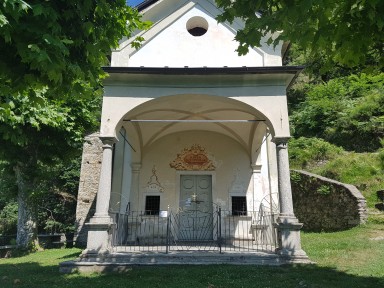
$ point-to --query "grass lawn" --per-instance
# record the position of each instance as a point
(353, 258)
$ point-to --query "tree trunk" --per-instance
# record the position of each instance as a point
(26, 220)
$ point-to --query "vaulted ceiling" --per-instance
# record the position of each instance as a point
(158, 118)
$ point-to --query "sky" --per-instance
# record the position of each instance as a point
(134, 2)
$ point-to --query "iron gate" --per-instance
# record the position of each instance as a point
(220, 230)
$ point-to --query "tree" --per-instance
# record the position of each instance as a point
(60, 44)
(40, 133)
(50, 71)
(56, 195)
(344, 32)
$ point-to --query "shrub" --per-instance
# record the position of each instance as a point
(346, 111)
(8, 219)
(360, 169)
(381, 155)
(307, 152)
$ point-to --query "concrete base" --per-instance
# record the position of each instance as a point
(99, 235)
(120, 262)
(289, 237)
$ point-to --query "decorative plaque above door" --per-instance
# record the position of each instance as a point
(194, 158)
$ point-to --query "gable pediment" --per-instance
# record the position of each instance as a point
(169, 42)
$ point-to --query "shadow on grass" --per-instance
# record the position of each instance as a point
(18, 252)
(71, 256)
(21, 252)
(34, 275)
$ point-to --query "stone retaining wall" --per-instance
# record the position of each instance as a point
(324, 204)
(88, 185)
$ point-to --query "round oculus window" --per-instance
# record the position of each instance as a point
(197, 26)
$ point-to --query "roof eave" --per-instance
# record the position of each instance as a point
(205, 70)
(208, 72)
(145, 4)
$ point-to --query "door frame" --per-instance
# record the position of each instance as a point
(178, 181)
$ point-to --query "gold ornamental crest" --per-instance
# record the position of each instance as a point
(194, 158)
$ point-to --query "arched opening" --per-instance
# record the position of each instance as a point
(169, 114)
(160, 129)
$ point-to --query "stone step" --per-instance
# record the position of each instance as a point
(119, 262)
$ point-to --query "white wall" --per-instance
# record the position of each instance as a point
(227, 154)
(175, 47)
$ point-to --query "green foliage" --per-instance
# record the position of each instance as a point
(51, 59)
(351, 167)
(27, 120)
(50, 73)
(307, 152)
(8, 205)
(48, 132)
(364, 170)
(8, 218)
(52, 226)
(60, 44)
(8, 188)
(381, 155)
(324, 190)
(360, 169)
(376, 219)
(55, 196)
(295, 177)
(316, 69)
(345, 32)
(346, 111)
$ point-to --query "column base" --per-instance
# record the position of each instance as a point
(99, 240)
(288, 228)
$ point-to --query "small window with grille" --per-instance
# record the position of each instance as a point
(152, 205)
(239, 205)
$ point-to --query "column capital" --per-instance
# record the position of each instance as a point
(108, 140)
(256, 168)
(136, 167)
(280, 140)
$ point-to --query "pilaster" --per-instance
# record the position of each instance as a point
(135, 190)
(257, 186)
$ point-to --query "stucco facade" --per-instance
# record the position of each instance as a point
(187, 108)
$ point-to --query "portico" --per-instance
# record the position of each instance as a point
(194, 154)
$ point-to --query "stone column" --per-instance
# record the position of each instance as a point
(284, 181)
(287, 224)
(99, 240)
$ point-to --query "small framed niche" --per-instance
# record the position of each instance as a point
(197, 26)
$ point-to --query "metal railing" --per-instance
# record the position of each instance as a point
(219, 231)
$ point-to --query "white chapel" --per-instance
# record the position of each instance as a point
(193, 144)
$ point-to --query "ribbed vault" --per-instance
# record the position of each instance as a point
(166, 115)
